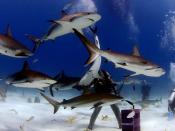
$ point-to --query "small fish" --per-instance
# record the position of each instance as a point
(30, 119)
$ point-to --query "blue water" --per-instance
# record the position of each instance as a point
(149, 24)
(121, 27)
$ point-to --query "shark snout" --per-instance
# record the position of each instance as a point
(160, 70)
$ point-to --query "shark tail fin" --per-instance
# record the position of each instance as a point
(35, 40)
(92, 48)
(53, 102)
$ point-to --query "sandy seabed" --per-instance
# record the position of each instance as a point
(18, 115)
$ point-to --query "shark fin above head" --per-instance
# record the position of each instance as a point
(135, 51)
(92, 49)
(25, 66)
(8, 31)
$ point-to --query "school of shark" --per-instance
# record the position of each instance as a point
(97, 89)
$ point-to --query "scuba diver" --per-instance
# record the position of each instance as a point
(171, 101)
(104, 84)
(145, 90)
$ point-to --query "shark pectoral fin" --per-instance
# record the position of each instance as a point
(97, 105)
(79, 30)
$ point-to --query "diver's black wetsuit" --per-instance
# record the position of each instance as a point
(104, 85)
(171, 102)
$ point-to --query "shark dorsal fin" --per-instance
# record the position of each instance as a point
(25, 66)
(135, 51)
(9, 31)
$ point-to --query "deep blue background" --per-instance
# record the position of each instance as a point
(67, 53)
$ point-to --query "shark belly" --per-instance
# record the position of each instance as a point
(62, 29)
(82, 23)
(35, 84)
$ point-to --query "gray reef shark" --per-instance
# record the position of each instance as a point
(66, 24)
(93, 72)
(146, 103)
(9, 46)
(134, 62)
(130, 82)
(28, 78)
(87, 100)
(66, 82)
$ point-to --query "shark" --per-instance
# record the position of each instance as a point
(66, 82)
(146, 103)
(133, 62)
(28, 78)
(129, 82)
(93, 71)
(87, 100)
(11, 47)
(66, 24)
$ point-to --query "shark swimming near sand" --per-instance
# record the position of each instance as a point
(87, 100)
(28, 78)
